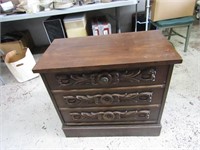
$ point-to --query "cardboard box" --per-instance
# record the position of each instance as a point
(23, 40)
(75, 25)
(14, 45)
(169, 9)
(27, 39)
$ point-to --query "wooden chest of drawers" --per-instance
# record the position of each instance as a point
(113, 85)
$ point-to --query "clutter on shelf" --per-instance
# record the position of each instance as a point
(35, 6)
(75, 25)
(101, 26)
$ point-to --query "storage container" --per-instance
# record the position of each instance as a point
(75, 25)
(21, 64)
(101, 26)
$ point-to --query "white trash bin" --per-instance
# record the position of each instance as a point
(21, 65)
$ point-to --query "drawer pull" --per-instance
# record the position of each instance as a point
(107, 78)
(110, 116)
(146, 96)
(149, 74)
(109, 99)
(105, 99)
(104, 80)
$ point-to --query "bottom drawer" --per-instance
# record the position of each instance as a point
(110, 115)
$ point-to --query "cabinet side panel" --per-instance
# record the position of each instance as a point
(169, 74)
(52, 97)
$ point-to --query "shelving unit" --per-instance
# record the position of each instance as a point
(74, 9)
(117, 4)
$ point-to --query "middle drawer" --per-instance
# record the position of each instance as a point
(122, 96)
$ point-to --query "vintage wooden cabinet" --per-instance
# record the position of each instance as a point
(113, 85)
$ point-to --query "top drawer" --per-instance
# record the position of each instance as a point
(108, 78)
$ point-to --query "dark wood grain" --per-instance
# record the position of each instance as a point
(108, 51)
(113, 85)
(112, 130)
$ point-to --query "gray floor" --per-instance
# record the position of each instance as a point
(29, 120)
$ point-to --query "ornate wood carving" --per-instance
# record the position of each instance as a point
(108, 99)
(110, 115)
(107, 78)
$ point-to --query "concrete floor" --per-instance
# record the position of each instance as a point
(29, 120)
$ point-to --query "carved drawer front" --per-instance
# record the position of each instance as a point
(109, 97)
(112, 115)
(108, 78)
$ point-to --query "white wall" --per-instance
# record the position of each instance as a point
(36, 29)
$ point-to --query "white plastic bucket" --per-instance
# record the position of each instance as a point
(21, 64)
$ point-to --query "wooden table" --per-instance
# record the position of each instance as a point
(113, 85)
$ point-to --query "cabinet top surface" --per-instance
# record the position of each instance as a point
(135, 48)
